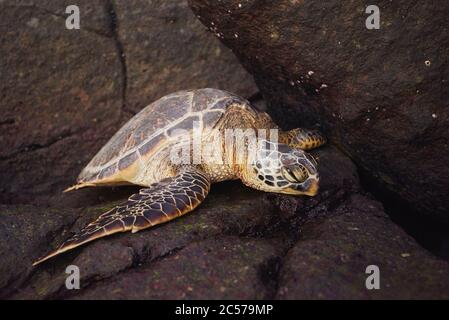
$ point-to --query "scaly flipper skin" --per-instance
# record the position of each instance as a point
(303, 139)
(158, 204)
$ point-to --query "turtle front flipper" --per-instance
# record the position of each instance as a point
(162, 202)
(303, 139)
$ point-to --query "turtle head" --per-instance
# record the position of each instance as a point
(281, 169)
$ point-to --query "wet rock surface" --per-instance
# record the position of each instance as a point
(64, 93)
(330, 259)
(218, 268)
(239, 244)
(53, 99)
(167, 49)
(380, 94)
(24, 230)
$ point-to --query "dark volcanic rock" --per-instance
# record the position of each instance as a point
(239, 244)
(63, 93)
(25, 230)
(381, 94)
(55, 92)
(95, 14)
(330, 259)
(167, 49)
(221, 268)
(230, 210)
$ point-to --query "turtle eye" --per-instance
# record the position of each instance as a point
(300, 173)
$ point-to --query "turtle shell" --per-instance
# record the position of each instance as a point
(152, 128)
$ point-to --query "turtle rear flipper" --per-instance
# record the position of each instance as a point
(79, 186)
(162, 202)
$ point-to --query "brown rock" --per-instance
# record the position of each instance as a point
(55, 92)
(381, 94)
(24, 231)
(331, 258)
(222, 268)
(232, 246)
(167, 49)
(229, 210)
(95, 15)
(63, 93)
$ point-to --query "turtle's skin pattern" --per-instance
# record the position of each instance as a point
(139, 154)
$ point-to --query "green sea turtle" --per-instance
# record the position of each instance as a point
(147, 152)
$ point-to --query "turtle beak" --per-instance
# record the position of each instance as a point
(311, 186)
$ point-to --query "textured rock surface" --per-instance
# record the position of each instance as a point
(381, 94)
(63, 93)
(167, 49)
(219, 268)
(239, 244)
(53, 99)
(330, 259)
(95, 14)
(24, 230)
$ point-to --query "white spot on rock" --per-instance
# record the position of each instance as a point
(427, 63)
(434, 115)
(33, 23)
